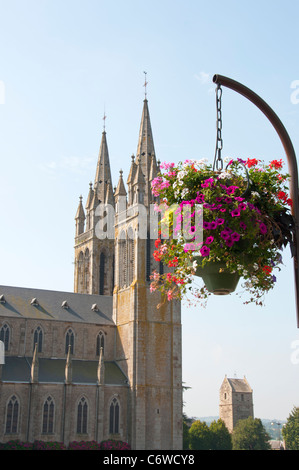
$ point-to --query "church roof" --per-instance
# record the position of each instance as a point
(239, 385)
(41, 304)
(50, 370)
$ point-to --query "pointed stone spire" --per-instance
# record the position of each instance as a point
(146, 150)
(34, 366)
(120, 189)
(103, 172)
(80, 218)
(68, 367)
(139, 185)
(109, 195)
(101, 369)
(132, 171)
(139, 176)
(130, 181)
(89, 197)
(145, 146)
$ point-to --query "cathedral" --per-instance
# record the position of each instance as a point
(103, 361)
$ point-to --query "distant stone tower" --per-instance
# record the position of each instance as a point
(235, 401)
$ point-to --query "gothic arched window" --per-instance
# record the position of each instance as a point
(48, 416)
(82, 411)
(86, 271)
(12, 416)
(122, 262)
(102, 273)
(100, 343)
(69, 341)
(5, 336)
(80, 272)
(114, 417)
(38, 339)
(131, 255)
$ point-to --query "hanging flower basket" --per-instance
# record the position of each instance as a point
(221, 226)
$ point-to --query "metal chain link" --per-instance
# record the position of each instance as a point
(218, 162)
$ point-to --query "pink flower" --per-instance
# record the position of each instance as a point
(231, 189)
(242, 225)
(235, 213)
(225, 234)
(263, 228)
(209, 240)
(235, 236)
(169, 295)
(208, 182)
(206, 225)
(229, 242)
(205, 251)
(166, 166)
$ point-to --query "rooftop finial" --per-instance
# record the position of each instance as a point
(145, 84)
(104, 119)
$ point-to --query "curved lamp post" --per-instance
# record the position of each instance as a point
(291, 158)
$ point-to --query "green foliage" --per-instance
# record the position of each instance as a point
(290, 431)
(250, 434)
(16, 444)
(213, 437)
(185, 436)
(220, 436)
(199, 436)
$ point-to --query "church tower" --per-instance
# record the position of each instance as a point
(235, 402)
(94, 256)
(148, 339)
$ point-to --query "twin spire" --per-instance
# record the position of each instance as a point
(143, 170)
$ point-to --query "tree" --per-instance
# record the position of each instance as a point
(250, 434)
(185, 436)
(290, 431)
(199, 436)
(220, 436)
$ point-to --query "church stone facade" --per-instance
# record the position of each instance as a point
(101, 362)
(235, 402)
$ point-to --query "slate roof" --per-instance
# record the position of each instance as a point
(239, 385)
(49, 305)
(18, 369)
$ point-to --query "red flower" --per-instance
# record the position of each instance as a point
(251, 162)
(283, 196)
(276, 164)
(267, 269)
(157, 243)
(157, 256)
(174, 262)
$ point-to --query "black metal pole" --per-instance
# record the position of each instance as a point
(291, 158)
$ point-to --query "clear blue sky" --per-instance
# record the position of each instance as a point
(64, 62)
